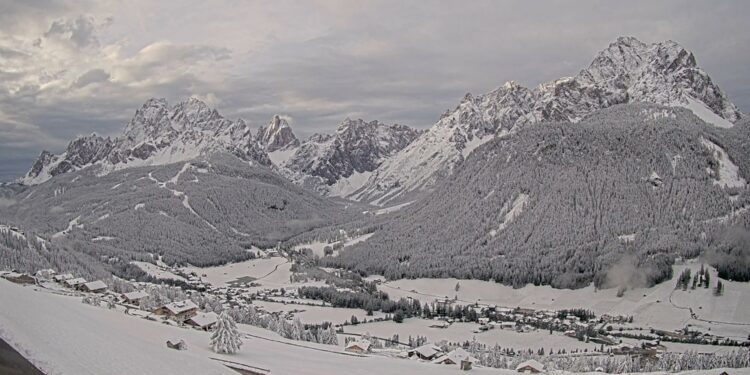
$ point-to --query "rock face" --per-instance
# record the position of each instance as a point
(157, 134)
(277, 135)
(356, 147)
(625, 72)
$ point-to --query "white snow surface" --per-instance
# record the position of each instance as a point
(706, 114)
(729, 173)
(512, 213)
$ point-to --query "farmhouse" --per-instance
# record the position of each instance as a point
(426, 352)
(178, 311)
(204, 321)
(74, 283)
(530, 367)
(456, 356)
(360, 346)
(62, 277)
(19, 278)
(133, 298)
(97, 286)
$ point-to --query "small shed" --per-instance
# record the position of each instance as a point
(359, 346)
(530, 367)
(97, 286)
(204, 321)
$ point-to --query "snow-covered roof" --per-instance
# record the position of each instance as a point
(95, 285)
(180, 306)
(138, 294)
(65, 276)
(530, 363)
(205, 319)
(77, 281)
(362, 344)
(427, 350)
(456, 356)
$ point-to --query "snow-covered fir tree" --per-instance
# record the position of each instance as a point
(225, 337)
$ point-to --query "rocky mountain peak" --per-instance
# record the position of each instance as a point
(277, 135)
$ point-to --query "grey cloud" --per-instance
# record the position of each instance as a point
(92, 76)
(80, 31)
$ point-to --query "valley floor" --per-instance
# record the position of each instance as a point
(60, 335)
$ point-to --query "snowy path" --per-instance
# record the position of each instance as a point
(181, 194)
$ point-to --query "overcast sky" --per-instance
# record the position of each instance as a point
(76, 67)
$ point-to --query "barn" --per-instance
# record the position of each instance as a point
(530, 367)
(178, 311)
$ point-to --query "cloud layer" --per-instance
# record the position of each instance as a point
(70, 68)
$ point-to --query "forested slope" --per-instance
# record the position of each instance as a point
(202, 212)
(613, 198)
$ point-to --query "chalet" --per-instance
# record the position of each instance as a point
(178, 311)
(97, 286)
(623, 348)
(426, 352)
(61, 278)
(530, 367)
(133, 298)
(458, 357)
(359, 346)
(204, 321)
(46, 274)
(19, 278)
(74, 283)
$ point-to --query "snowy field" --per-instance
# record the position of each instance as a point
(650, 307)
(319, 314)
(157, 271)
(79, 339)
(461, 332)
(267, 269)
(318, 247)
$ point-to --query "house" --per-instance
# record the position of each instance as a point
(97, 286)
(178, 311)
(530, 367)
(426, 352)
(457, 356)
(46, 274)
(63, 277)
(623, 349)
(133, 298)
(19, 278)
(74, 283)
(358, 346)
(204, 321)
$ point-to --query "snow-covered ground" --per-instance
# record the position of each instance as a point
(157, 271)
(319, 314)
(650, 307)
(729, 173)
(62, 336)
(318, 247)
(267, 269)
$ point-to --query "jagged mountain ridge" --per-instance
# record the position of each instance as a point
(626, 71)
(332, 163)
(156, 135)
(160, 134)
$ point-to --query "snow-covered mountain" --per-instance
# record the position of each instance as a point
(157, 134)
(277, 135)
(627, 71)
(340, 163)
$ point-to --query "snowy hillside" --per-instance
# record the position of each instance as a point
(562, 203)
(627, 71)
